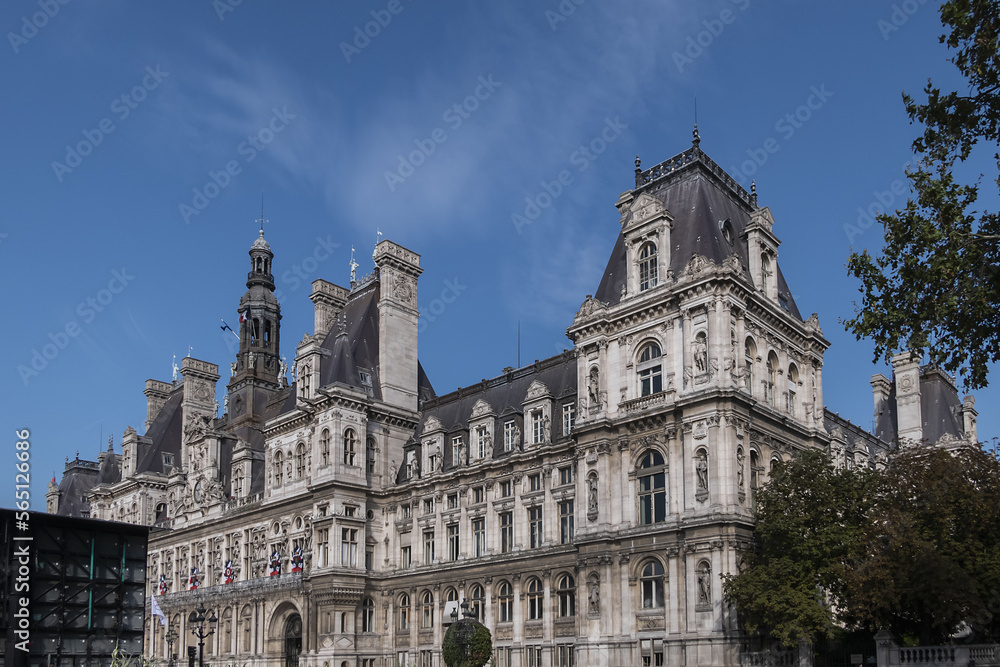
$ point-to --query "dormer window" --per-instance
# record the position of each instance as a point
(650, 370)
(647, 267)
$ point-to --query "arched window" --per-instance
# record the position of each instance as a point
(350, 447)
(793, 383)
(566, 590)
(238, 483)
(749, 358)
(368, 615)
(161, 511)
(300, 460)
(324, 447)
(278, 468)
(246, 622)
(404, 611)
(427, 610)
(536, 597)
(754, 470)
(267, 332)
(227, 631)
(477, 598)
(254, 331)
(505, 596)
(770, 388)
(343, 622)
(652, 476)
(647, 267)
(650, 370)
(765, 274)
(652, 585)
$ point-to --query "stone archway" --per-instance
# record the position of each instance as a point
(292, 643)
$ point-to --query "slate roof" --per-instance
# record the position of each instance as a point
(506, 395)
(163, 436)
(701, 197)
(939, 408)
(78, 478)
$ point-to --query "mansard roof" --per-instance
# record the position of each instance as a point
(701, 197)
(164, 436)
(940, 408)
(78, 478)
(504, 394)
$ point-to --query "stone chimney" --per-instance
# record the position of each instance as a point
(328, 300)
(909, 422)
(157, 394)
(880, 392)
(969, 415)
(399, 270)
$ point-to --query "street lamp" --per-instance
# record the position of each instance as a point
(171, 638)
(197, 620)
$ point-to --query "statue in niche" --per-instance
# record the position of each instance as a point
(393, 470)
(700, 353)
(701, 467)
(592, 487)
(595, 596)
(739, 468)
(704, 584)
(594, 387)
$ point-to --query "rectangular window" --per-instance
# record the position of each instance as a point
(506, 489)
(426, 658)
(405, 557)
(429, 506)
(402, 659)
(456, 451)
(481, 447)
(323, 546)
(370, 455)
(651, 651)
(349, 547)
(565, 475)
(369, 559)
(478, 495)
(569, 417)
(432, 462)
(506, 532)
(350, 511)
(566, 522)
(503, 657)
(453, 542)
(406, 510)
(565, 654)
(534, 482)
(535, 526)
(509, 435)
(428, 547)
(534, 655)
(478, 537)
(452, 501)
(537, 427)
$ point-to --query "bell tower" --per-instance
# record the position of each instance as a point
(257, 367)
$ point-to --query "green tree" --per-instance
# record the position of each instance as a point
(935, 286)
(930, 559)
(810, 519)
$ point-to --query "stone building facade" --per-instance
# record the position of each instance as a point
(586, 505)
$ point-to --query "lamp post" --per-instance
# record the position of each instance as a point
(197, 620)
(171, 638)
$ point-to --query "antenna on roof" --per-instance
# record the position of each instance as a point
(519, 343)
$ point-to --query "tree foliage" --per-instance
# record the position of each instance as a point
(914, 548)
(935, 286)
(467, 643)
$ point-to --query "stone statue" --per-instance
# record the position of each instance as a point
(225, 404)
(393, 470)
(594, 387)
(595, 597)
(704, 584)
(281, 371)
(700, 354)
(739, 468)
(592, 494)
(232, 369)
(488, 439)
(701, 467)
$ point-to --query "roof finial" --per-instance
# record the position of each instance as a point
(696, 138)
(638, 164)
(261, 220)
(753, 193)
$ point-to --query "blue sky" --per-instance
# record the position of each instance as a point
(138, 138)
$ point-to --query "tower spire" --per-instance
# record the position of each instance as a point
(695, 137)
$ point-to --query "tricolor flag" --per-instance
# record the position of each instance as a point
(244, 316)
(154, 607)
